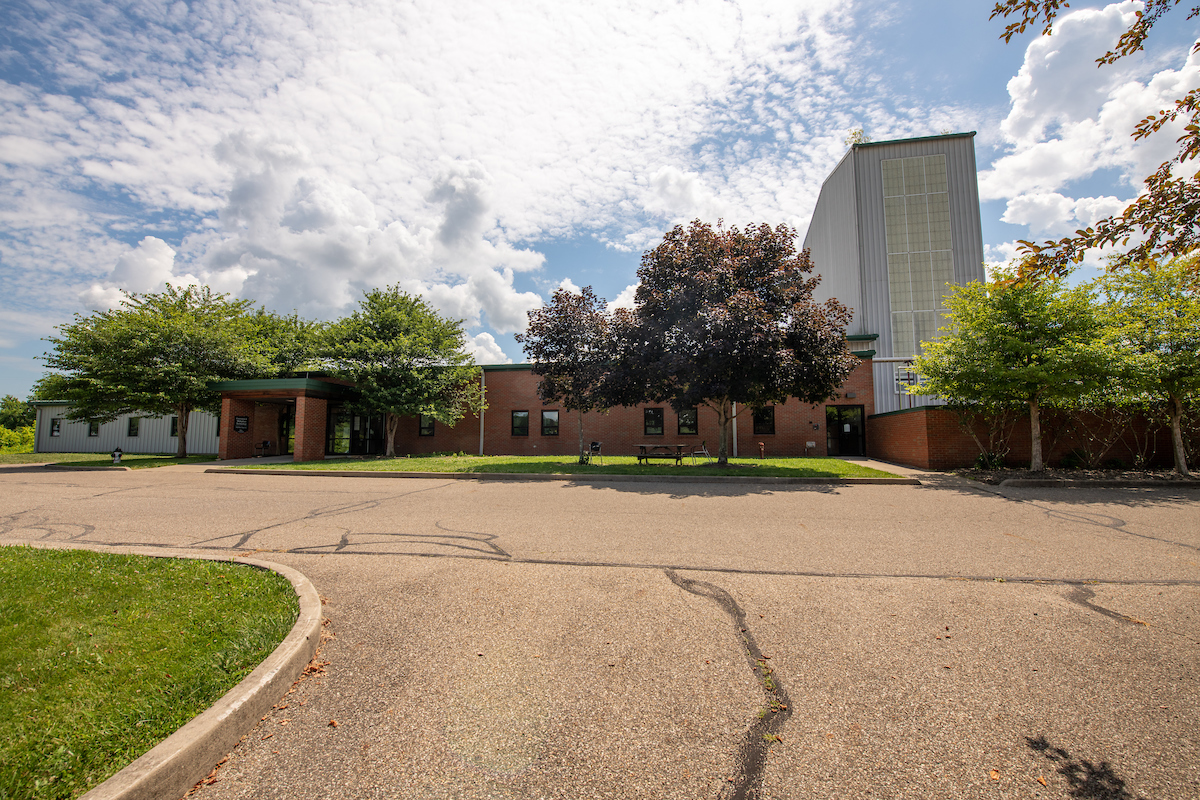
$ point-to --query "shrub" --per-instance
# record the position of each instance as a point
(16, 441)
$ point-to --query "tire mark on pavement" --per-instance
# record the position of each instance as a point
(752, 758)
(1098, 520)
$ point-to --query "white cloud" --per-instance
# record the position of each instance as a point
(485, 350)
(625, 299)
(1070, 118)
(342, 145)
(569, 285)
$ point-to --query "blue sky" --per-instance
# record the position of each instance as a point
(483, 153)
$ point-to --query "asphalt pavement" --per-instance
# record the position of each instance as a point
(574, 639)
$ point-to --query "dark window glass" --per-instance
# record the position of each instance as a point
(93, 428)
(520, 423)
(687, 422)
(219, 426)
(764, 421)
(174, 426)
(426, 425)
(654, 421)
(549, 423)
(55, 426)
(135, 424)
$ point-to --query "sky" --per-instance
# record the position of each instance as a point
(483, 153)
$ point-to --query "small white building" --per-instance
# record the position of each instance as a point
(133, 433)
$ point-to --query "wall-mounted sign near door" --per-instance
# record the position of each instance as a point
(241, 424)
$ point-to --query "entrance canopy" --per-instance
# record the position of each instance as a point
(274, 416)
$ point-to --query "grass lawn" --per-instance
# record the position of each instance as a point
(106, 655)
(133, 460)
(613, 465)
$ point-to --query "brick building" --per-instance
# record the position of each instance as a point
(313, 417)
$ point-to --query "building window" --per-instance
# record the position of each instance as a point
(549, 423)
(93, 428)
(425, 425)
(687, 422)
(916, 219)
(520, 423)
(56, 426)
(174, 427)
(134, 424)
(654, 421)
(764, 421)
(218, 426)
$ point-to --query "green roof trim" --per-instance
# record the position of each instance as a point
(862, 337)
(915, 139)
(505, 367)
(863, 354)
(270, 384)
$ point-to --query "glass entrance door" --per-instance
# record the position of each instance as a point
(354, 434)
(845, 431)
(287, 430)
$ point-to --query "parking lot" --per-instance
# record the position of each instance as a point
(665, 639)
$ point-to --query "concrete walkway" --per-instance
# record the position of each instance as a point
(571, 640)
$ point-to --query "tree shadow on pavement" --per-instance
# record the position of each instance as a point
(1087, 780)
(1165, 495)
(680, 490)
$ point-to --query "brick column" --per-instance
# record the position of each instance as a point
(311, 413)
(232, 444)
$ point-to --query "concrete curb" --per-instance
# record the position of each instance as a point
(542, 476)
(81, 468)
(173, 766)
(1063, 483)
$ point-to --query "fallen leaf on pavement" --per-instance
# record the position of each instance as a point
(333, 723)
(1042, 780)
(994, 775)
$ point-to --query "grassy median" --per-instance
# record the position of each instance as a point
(105, 655)
(613, 465)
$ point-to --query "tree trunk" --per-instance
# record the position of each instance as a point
(724, 417)
(582, 455)
(1035, 432)
(391, 424)
(1181, 466)
(184, 411)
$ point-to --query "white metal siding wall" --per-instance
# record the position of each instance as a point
(966, 241)
(153, 434)
(833, 238)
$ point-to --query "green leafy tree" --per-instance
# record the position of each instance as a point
(1016, 343)
(16, 413)
(1166, 217)
(155, 353)
(290, 343)
(404, 359)
(726, 316)
(1152, 316)
(569, 342)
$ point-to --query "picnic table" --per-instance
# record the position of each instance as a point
(649, 451)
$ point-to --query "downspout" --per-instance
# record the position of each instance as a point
(483, 398)
(734, 430)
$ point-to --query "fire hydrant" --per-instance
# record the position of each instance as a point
(762, 449)
(117, 456)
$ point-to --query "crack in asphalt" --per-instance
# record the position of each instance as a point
(482, 543)
(1083, 596)
(752, 757)
(325, 511)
